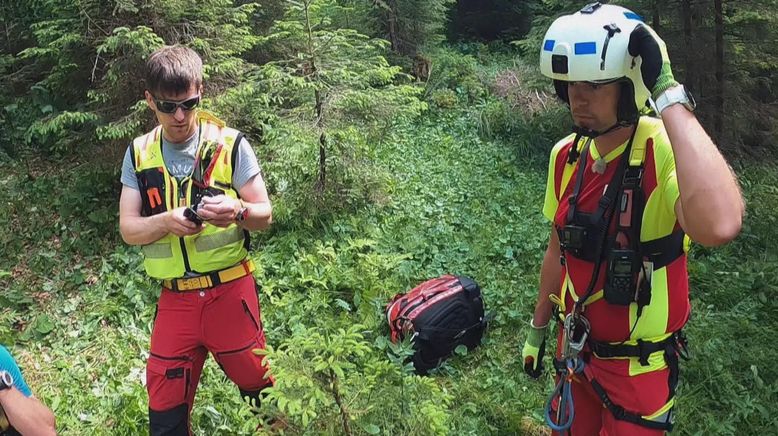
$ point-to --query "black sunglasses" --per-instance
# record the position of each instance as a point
(169, 107)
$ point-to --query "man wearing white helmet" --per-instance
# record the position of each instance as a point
(625, 194)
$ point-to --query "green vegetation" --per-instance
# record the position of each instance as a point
(442, 172)
(79, 306)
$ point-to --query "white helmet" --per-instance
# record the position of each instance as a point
(591, 45)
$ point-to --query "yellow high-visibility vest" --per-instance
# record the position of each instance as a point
(212, 249)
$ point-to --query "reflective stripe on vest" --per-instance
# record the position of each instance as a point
(214, 248)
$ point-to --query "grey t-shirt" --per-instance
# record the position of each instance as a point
(179, 160)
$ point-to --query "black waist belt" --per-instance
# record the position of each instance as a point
(642, 350)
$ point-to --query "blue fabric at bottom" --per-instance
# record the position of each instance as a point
(7, 363)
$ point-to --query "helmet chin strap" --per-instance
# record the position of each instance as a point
(583, 131)
(589, 133)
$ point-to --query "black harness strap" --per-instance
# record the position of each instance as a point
(235, 147)
(604, 214)
(622, 415)
(642, 350)
(573, 199)
(614, 187)
(663, 251)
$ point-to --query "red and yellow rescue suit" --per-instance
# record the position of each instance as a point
(642, 386)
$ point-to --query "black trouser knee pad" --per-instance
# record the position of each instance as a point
(171, 422)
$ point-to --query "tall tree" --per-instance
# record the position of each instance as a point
(656, 16)
(325, 70)
(686, 14)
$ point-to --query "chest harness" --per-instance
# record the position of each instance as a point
(630, 263)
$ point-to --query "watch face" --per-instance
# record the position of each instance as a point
(692, 101)
(6, 380)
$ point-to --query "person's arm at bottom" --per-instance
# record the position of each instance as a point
(550, 271)
(27, 415)
(535, 345)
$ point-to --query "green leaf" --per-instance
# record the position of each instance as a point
(371, 429)
(342, 304)
(44, 325)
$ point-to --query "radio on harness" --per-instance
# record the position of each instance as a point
(438, 315)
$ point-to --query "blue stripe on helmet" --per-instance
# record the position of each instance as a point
(633, 16)
(548, 45)
(585, 48)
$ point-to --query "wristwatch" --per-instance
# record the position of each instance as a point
(676, 95)
(242, 213)
(6, 380)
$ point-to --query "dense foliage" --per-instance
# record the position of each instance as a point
(391, 157)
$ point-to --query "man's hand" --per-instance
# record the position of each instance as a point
(219, 210)
(655, 67)
(177, 224)
(534, 349)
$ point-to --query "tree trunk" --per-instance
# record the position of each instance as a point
(335, 389)
(719, 101)
(686, 14)
(321, 183)
(655, 19)
(318, 102)
(394, 38)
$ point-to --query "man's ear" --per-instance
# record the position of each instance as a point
(149, 99)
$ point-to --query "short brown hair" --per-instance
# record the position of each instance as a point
(173, 69)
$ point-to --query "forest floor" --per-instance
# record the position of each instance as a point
(76, 309)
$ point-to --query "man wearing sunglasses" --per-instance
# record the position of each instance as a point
(192, 191)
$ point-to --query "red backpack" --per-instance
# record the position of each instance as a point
(438, 315)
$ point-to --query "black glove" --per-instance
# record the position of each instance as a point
(655, 66)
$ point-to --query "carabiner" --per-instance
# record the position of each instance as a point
(576, 332)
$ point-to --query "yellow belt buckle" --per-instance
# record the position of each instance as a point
(189, 284)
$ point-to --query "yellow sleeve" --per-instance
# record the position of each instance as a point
(551, 202)
(667, 177)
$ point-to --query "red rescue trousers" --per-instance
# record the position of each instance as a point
(224, 320)
(643, 394)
